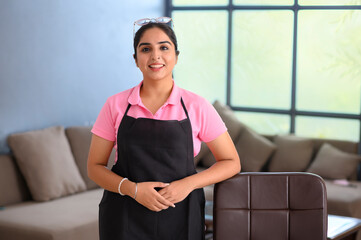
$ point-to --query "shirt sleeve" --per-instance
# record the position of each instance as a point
(212, 125)
(104, 125)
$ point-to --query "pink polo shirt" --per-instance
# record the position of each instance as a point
(207, 125)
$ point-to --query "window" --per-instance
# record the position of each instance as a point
(284, 66)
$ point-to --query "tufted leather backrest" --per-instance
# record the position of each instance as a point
(270, 206)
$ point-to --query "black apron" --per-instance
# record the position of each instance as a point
(153, 150)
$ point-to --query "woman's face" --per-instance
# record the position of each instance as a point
(156, 55)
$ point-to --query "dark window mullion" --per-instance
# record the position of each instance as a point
(297, 113)
(294, 69)
(229, 54)
(168, 8)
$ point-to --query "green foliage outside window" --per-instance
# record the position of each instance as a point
(327, 63)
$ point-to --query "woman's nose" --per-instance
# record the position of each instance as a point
(155, 55)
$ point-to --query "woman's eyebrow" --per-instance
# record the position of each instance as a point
(145, 43)
(165, 42)
(141, 44)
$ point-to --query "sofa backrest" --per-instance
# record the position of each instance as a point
(343, 145)
(13, 188)
(79, 138)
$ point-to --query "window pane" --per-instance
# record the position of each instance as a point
(262, 59)
(329, 2)
(329, 66)
(263, 2)
(202, 64)
(199, 2)
(266, 123)
(332, 128)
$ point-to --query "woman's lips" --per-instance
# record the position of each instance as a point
(156, 67)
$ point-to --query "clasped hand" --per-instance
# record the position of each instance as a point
(167, 196)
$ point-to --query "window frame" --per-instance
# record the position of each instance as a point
(292, 112)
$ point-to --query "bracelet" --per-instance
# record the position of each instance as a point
(136, 189)
(120, 185)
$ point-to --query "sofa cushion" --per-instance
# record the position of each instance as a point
(344, 200)
(343, 145)
(79, 138)
(67, 218)
(293, 154)
(46, 162)
(332, 163)
(231, 121)
(13, 188)
(233, 125)
(254, 150)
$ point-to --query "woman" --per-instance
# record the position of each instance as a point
(153, 190)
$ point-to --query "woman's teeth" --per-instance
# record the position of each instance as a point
(156, 66)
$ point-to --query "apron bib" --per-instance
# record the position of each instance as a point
(153, 150)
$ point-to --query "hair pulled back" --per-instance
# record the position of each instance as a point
(162, 26)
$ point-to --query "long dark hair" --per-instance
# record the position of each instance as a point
(162, 26)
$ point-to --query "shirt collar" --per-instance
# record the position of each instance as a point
(174, 97)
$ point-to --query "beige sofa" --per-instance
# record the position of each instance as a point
(67, 207)
(45, 192)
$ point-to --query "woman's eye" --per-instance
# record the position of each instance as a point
(164, 48)
(145, 50)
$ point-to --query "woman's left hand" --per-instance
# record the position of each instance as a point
(177, 191)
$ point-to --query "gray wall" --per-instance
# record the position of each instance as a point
(61, 59)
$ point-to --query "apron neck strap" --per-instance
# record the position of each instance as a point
(129, 105)
(184, 107)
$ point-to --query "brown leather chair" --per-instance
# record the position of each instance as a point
(270, 206)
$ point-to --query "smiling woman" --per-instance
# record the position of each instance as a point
(156, 58)
(153, 190)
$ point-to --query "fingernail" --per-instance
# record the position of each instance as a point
(166, 184)
(173, 206)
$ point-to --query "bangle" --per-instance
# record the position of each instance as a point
(136, 189)
(120, 185)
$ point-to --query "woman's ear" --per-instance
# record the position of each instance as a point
(135, 60)
(176, 56)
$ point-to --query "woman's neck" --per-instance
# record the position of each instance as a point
(156, 89)
(155, 93)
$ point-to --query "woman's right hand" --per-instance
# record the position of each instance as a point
(150, 198)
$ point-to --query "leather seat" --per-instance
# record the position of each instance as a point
(270, 206)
